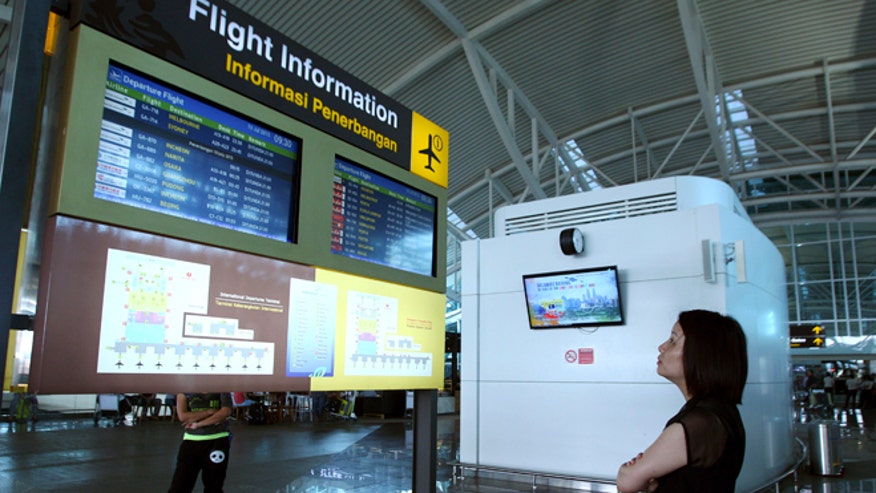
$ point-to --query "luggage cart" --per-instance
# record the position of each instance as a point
(819, 405)
(345, 409)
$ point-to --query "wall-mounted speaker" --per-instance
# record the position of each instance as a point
(708, 262)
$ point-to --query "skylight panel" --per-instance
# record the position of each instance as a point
(582, 170)
(737, 112)
(457, 221)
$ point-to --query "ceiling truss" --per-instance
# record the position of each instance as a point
(722, 155)
(820, 165)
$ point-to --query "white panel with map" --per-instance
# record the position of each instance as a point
(151, 307)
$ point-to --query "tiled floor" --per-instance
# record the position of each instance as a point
(857, 450)
(70, 454)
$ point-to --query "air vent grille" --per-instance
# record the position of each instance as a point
(592, 213)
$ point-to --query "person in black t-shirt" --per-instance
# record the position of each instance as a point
(206, 442)
(701, 448)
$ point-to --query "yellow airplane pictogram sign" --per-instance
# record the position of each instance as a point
(430, 150)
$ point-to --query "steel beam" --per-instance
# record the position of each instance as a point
(426, 65)
(778, 127)
(501, 126)
(705, 75)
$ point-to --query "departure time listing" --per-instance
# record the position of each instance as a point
(379, 220)
(168, 152)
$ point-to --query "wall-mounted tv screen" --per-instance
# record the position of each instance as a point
(168, 151)
(576, 298)
(381, 220)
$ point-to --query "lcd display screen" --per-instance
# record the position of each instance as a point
(168, 151)
(576, 298)
(381, 220)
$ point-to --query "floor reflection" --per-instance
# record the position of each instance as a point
(376, 456)
(856, 450)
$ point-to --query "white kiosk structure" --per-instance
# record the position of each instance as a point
(578, 402)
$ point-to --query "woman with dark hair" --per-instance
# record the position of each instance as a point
(702, 447)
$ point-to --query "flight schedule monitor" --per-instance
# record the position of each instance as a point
(381, 220)
(167, 151)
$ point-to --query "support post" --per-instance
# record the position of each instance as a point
(20, 97)
(425, 440)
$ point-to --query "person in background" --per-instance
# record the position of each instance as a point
(206, 442)
(170, 400)
(150, 406)
(320, 405)
(702, 447)
(810, 383)
(852, 385)
(828, 388)
(866, 391)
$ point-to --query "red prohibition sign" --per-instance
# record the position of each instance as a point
(571, 356)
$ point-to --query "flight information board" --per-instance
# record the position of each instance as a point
(168, 151)
(380, 220)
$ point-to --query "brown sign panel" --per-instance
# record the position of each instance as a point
(127, 311)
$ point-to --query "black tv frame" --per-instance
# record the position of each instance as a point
(582, 322)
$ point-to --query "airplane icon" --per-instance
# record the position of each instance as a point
(431, 154)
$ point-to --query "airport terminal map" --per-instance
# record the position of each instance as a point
(155, 320)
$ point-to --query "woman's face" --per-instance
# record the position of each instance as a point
(670, 360)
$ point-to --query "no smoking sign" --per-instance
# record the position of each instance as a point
(582, 356)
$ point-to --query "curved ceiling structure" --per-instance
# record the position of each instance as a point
(545, 98)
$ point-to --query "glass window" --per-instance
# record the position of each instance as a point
(836, 267)
(865, 254)
(792, 302)
(830, 328)
(816, 301)
(853, 299)
(779, 235)
(867, 289)
(808, 233)
(813, 262)
(850, 328)
(785, 252)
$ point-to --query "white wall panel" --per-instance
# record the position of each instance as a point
(572, 429)
(695, 191)
(649, 247)
(766, 412)
(760, 304)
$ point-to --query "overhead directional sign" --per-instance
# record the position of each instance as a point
(807, 336)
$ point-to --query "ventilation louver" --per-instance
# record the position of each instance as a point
(592, 213)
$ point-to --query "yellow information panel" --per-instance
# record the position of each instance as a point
(387, 336)
(430, 150)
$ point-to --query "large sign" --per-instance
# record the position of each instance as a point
(149, 145)
(223, 43)
(182, 317)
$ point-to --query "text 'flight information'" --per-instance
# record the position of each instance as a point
(166, 151)
(380, 220)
